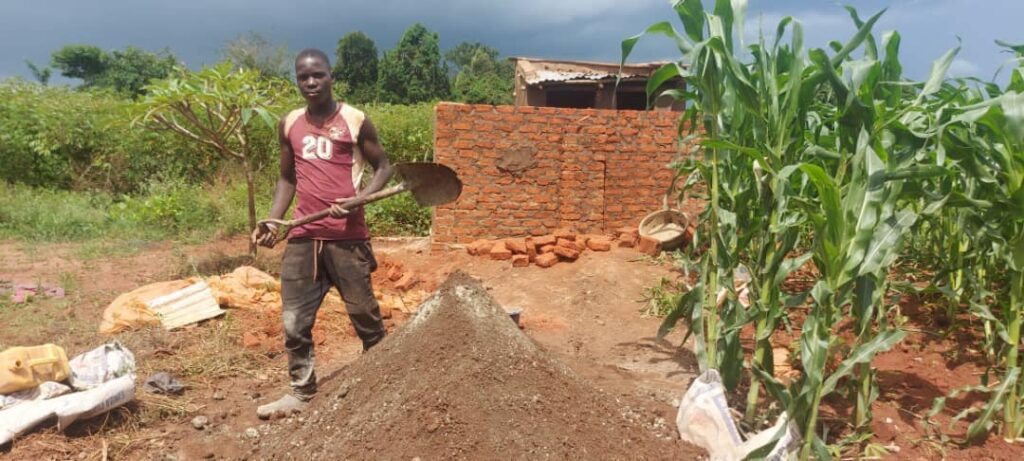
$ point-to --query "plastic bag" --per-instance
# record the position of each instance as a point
(704, 420)
(67, 408)
(47, 390)
(105, 363)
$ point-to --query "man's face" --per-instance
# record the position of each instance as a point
(314, 79)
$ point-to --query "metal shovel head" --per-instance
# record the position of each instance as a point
(431, 184)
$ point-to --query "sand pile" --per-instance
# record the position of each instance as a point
(460, 380)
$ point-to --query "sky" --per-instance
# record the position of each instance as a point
(195, 30)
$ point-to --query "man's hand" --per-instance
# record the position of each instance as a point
(265, 235)
(341, 207)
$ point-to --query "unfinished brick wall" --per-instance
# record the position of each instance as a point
(531, 170)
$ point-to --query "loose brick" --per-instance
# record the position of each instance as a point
(406, 282)
(581, 241)
(480, 247)
(649, 245)
(547, 259)
(520, 261)
(250, 340)
(395, 273)
(500, 252)
(630, 231)
(516, 245)
(566, 253)
(599, 244)
(568, 244)
(565, 234)
(544, 240)
(547, 249)
(531, 249)
(626, 242)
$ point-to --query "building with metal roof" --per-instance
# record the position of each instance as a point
(588, 84)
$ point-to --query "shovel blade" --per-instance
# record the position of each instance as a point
(431, 184)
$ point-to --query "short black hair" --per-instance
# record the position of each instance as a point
(313, 53)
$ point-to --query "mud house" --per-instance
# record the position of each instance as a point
(588, 85)
(572, 152)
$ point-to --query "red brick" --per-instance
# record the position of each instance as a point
(520, 261)
(547, 249)
(250, 340)
(566, 253)
(479, 247)
(568, 244)
(516, 245)
(599, 243)
(649, 245)
(626, 242)
(406, 282)
(564, 233)
(547, 260)
(544, 240)
(500, 252)
(531, 249)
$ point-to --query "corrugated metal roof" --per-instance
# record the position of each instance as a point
(191, 304)
(536, 71)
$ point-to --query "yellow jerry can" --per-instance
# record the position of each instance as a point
(27, 367)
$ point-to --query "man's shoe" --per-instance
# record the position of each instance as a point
(283, 407)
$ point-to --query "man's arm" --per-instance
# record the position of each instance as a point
(283, 193)
(374, 154)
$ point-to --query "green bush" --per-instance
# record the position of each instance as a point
(37, 214)
(172, 206)
(398, 215)
(406, 131)
(57, 137)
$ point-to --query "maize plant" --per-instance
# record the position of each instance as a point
(832, 147)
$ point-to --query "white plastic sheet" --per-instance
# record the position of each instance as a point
(106, 378)
(704, 420)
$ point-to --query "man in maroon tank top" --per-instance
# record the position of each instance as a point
(324, 148)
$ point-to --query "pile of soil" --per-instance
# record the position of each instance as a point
(460, 380)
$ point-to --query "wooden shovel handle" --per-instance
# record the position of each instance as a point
(286, 225)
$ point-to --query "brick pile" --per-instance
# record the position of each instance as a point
(563, 245)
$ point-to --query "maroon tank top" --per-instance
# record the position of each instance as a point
(325, 157)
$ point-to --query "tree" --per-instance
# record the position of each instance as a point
(84, 62)
(356, 64)
(130, 70)
(127, 71)
(462, 55)
(413, 71)
(42, 75)
(482, 78)
(217, 108)
(254, 51)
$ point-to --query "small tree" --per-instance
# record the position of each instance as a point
(484, 79)
(355, 64)
(413, 71)
(254, 51)
(127, 71)
(215, 108)
(41, 74)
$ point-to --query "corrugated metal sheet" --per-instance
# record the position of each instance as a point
(188, 305)
(536, 71)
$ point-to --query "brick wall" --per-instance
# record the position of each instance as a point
(531, 170)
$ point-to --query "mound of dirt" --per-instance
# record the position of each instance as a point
(460, 380)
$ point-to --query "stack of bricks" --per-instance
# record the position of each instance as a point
(562, 246)
(544, 250)
(532, 170)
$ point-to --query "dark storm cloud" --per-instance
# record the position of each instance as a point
(582, 29)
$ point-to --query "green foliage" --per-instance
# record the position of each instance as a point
(406, 131)
(42, 75)
(355, 64)
(173, 206)
(484, 79)
(223, 110)
(127, 71)
(254, 51)
(58, 137)
(398, 215)
(85, 62)
(460, 57)
(38, 214)
(413, 71)
(839, 150)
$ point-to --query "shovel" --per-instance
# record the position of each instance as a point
(431, 184)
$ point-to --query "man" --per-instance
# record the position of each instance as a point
(323, 150)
